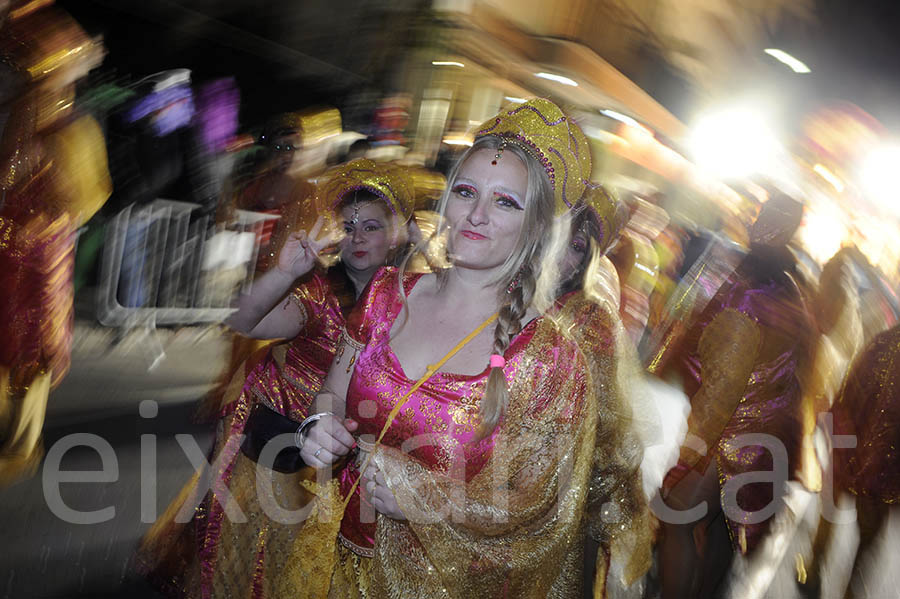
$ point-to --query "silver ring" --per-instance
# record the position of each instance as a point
(318, 451)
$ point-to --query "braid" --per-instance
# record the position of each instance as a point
(509, 322)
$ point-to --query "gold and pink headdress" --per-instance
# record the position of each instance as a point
(544, 132)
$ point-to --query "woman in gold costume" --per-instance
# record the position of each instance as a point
(54, 178)
(471, 432)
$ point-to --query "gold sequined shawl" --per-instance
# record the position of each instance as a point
(564, 465)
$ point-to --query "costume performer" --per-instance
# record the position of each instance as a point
(510, 448)
(54, 178)
(740, 362)
(374, 203)
(868, 408)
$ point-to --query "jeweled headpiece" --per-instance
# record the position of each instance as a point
(388, 181)
(544, 132)
(608, 213)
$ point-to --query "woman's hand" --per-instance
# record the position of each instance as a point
(298, 256)
(379, 495)
(328, 440)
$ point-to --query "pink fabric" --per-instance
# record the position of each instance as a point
(439, 419)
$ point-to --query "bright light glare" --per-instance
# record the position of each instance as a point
(557, 78)
(457, 142)
(781, 56)
(514, 99)
(822, 233)
(620, 117)
(447, 63)
(734, 143)
(878, 176)
(826, 174)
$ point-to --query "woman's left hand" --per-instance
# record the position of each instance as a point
(378, 493)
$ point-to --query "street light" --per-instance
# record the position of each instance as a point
(878, 176)
(783, 57)
(736, 142)
(557, 78)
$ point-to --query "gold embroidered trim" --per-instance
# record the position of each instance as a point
(346, 338)
(294, 297)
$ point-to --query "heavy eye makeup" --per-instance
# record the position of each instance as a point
(463, 190)
(369, 226)
(507, 201)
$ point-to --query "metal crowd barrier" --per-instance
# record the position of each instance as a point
(160, 267)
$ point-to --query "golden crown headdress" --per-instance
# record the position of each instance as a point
(544, 132)
(390, 182)
(609, 214)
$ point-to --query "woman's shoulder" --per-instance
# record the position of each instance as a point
(574, 327)
(379, 301)
(386, 279)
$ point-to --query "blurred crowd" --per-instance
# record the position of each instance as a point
(154, 192)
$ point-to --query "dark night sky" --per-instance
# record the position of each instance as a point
(851, 47)
(141, 42)
(852, 50)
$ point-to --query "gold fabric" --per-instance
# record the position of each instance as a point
(78, 151)
(517, 528)
(269, 526)
(566, 464)
(728, 350)
(22, 414)
(542, 130)
(42, 40)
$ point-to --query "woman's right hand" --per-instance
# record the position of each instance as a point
(328, 440)
(298, 256)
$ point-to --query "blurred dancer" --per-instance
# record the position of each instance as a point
(374, 203)
(660, 410)
(273, 189)
(54, 177)
(836, 308)
(740, 362)
(596, 227)
(269, 187)
(869, 409)
(638, 264)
